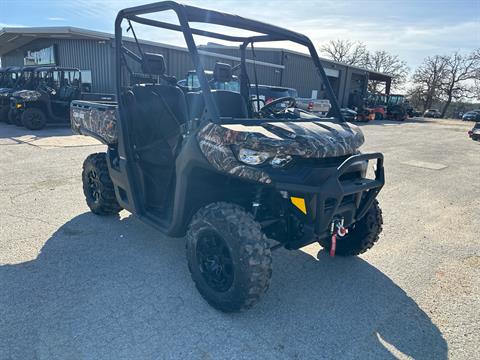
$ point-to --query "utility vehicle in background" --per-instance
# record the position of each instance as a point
(10, 83)
(237, 182)
(50, 101)
(384, 107)
(27, 83)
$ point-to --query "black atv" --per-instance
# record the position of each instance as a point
(237, 182)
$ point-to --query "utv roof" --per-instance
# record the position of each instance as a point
(194, 14)
(188, 15)
(29, 68)
(12, 69)
(56, 68)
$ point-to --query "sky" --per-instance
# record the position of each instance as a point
(411, 29)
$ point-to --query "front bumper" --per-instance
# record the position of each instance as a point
(345, 194)
(17, 106)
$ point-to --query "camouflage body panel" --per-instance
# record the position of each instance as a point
(27, 95)
(316, 139)
(98, 120)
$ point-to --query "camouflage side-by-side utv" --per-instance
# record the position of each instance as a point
(236, 181)
(9, 82)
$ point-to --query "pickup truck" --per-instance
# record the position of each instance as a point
(317, 106)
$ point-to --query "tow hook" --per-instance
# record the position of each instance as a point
(337, 229)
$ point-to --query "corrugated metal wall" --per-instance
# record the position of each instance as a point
(98, 56)
(91, 55)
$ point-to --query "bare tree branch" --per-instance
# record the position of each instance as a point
(356, 54)
(346, 51)
(384, 62)
(461, 77)
(427, 80)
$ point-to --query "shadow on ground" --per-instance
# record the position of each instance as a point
(12, 132)
(111, 288)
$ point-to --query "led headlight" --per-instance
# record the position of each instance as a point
(253, 157)
(256, 157)
(280, 161)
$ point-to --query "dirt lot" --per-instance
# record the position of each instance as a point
(77, 286)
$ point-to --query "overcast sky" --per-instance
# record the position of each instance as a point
(412, 29)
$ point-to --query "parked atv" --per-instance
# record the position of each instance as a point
(237, 183)
(28, 82)
(10, 82)
(50, 101)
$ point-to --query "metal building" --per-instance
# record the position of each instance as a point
(93, 53)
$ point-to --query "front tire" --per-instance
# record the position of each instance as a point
(14, 118)
(361, 235)
(98, 187)
(34, 119)
(228, 257)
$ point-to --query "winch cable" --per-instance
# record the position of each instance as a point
(338, 230)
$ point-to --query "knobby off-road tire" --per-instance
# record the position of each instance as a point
(98, 187)
(34, 119)
(14, 118)
(4, 116)
(228, 257)
(361, 236)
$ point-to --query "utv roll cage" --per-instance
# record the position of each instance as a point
(187, 14)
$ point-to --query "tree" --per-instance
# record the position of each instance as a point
(427, 80)
(357, 54)
(346, 51)
(384, 62)
(461, 73)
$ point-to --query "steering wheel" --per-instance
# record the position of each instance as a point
(269, 108)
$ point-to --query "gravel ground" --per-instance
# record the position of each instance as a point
(77, 286)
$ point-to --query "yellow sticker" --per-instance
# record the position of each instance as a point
(299, 203)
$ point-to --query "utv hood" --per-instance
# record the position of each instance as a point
(316, 139)
(27, 95)
(5, 91)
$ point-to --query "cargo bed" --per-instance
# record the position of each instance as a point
(95, 118)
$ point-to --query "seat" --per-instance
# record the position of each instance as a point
(157, 113)
(230, 104)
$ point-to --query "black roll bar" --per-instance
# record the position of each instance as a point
(187, 14)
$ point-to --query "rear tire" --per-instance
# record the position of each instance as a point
(98, 187)
(361, 236)
(228, 257)
(34, 119)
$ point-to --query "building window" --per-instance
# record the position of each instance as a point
(45, 56)
(86, 80)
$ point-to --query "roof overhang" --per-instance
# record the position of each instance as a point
(12, 38)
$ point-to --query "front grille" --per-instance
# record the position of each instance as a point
(321, 162)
